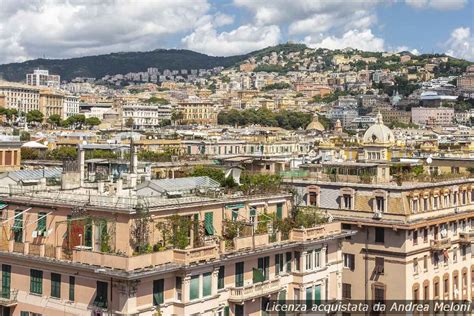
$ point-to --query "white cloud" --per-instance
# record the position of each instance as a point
(30, 29)
(364, 40)
(206, 39)
(437, 4)
(461, 44)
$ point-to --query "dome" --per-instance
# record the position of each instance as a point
(378, 134)
(315, 125)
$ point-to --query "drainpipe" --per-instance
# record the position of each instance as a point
(366, 263)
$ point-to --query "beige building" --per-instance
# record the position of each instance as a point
(441, 116)
(10, 153)
(51, 103)
(201, 112)
(70, 253)
(21, 97)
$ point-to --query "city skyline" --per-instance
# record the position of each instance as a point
(57, 29)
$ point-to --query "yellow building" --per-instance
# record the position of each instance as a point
(51, 103)
(200, 112)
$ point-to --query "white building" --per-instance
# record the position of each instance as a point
(146, 115)
(42, 78)
(19, 96)
(71, 106)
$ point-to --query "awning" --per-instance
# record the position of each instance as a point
(276, 201)
(3, 205)
(256, 203)
(239, 205)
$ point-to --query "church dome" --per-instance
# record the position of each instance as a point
(378, 134)
(315, 125)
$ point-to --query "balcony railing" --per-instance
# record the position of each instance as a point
(317, 232)
(440, 244)
(249, 292)
(466, 237)
(9, 298)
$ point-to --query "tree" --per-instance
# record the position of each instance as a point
(25, 136)
(34, 116)
(177, 116)
(54, 120)
(157, 100)
(92, 121)
(129, 122)
(77, 120)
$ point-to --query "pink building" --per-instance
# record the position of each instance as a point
(432, 116)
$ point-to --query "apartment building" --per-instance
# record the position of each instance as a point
(413, 241)
(71, 253)
(146, 115)
(51, 103)
(10, 153)
(21, 97)
(432, 116)
(201, 112)
(42, 78)
(71, 106)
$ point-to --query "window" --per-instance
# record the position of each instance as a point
(415, 266)
(297, 260)
(179, 288)
(455, 228)
(6, 280)
(379, 204)
(379, 265)
(463, 252)
(309, 260)
(414, 206)
(264, 267)
(206, 284)
(347, 199)
(436, 289)
(346, 291)
(239, 310)
(288, 262)
(379, 234)
(239, 274)
(220, 278)
(425, 204)
(446, 285)
(101, 296)
(435, 202)
(317, 259)
(194, 287)
(416, 295)
(72, 284)
(41, 225)
(279, 210)
(56, 285)
(36, 281)
(415, 237)
(18, 226)
(158, 292)
(208, 224)
(313, 198)
(425, 235)
(278, 263)
(425, 263)
(252, 214)
(455, 255)
(349, 261)
(379, 294)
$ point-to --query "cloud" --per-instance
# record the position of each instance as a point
(363, 40)
(437, 4)
(461, 44)
(52, 28)
(206, 39)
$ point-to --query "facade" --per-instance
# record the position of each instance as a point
(71, 106)
(42, 78)
(413, 240)
(20, 97)
(94, 269)
(51, 103)
(146, 115)
(10, 153)
(198, 111)
(345, 115)
(432, 116)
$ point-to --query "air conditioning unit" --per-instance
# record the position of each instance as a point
(378, 215)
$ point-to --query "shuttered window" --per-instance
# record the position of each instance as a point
(101, 297)
(158, 292)
(317, 294)
(6, 280)
(72, 290)
(288, 262)
(36, 281)
(239, 274)
(209, 223)
(206, 284)
(41, 225)
(220, 278)
(194, 287)
(280, 210)
(55, 285)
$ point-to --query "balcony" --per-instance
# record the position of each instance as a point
(440, 244)
(466, 237)
(9, 298)
(321, 231)
(249, 292)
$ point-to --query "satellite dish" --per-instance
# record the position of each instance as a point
(429, 160)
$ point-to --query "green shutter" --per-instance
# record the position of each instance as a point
(194, 287)
(253, 211)
(277, 264)
(18, 226)
(36, 281)
(42, 222)
(55, 285)
(6, 280)
(235, 214)
(88, 235)
(288, 262)
(208, 223)
(257, 276)
(309, 297)
(266, 267)
(220, 278)
(206, 284)
(317, 294)
(226, 311)
(239, 274)
(23, 313)
(72, 284)
(280, 210)
(158, 292)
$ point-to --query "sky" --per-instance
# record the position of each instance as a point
(32, 29)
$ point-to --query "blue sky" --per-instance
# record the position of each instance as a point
(69, 28)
